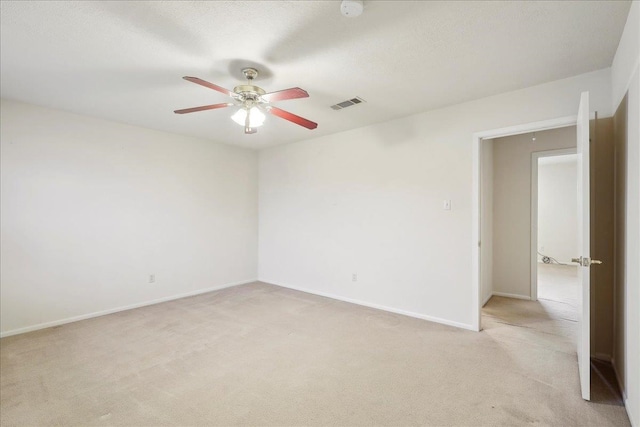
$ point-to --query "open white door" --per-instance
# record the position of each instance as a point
(584, 254)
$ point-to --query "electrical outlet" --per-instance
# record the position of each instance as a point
(354, 277)
(541, 248)
(152, 278)
(446, 205)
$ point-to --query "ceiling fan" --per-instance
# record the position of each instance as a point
(253, 102)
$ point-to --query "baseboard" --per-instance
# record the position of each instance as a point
(118, 309)
(604, 357)
(376, 306)
(506, 295)
(631, 420)
(624, 394)
(486, 300)
(617, 374)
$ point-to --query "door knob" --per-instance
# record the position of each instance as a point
(586, 261)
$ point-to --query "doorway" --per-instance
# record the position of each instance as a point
(514, 307)
(509, 198)
(553, 228)
(482, 146)
(528, 180)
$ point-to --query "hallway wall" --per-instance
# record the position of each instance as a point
(557, 207)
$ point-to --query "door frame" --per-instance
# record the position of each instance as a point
(534, 211)
(477, 137)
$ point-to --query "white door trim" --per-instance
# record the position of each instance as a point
(475, 196)
(534, 212)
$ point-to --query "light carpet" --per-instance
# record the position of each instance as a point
(259, 354)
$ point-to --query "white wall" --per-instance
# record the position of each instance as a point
(90, 208)
(486, 220)
(626, 77)
(369, 201)
(632, 265)
(557, 207)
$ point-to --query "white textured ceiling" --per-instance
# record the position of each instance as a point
(124, 60)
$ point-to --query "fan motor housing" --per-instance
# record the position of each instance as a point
(249, 90)
(249, 94)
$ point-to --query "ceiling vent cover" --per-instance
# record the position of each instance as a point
(348, 103)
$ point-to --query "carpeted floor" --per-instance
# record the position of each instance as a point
(259, 354)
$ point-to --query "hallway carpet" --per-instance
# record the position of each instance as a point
(258, 354)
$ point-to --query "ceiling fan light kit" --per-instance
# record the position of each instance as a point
(253, 102)
(256, 117)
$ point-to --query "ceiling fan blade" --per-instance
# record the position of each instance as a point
(281, 95)
(203, 108)
(209, 85)
(292, 118)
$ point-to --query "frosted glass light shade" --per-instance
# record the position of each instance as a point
(256, 118)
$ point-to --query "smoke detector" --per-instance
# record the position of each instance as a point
(352, 8)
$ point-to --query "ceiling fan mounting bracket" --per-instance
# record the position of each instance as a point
(250, 73)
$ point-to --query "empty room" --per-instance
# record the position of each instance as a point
(320, 213)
